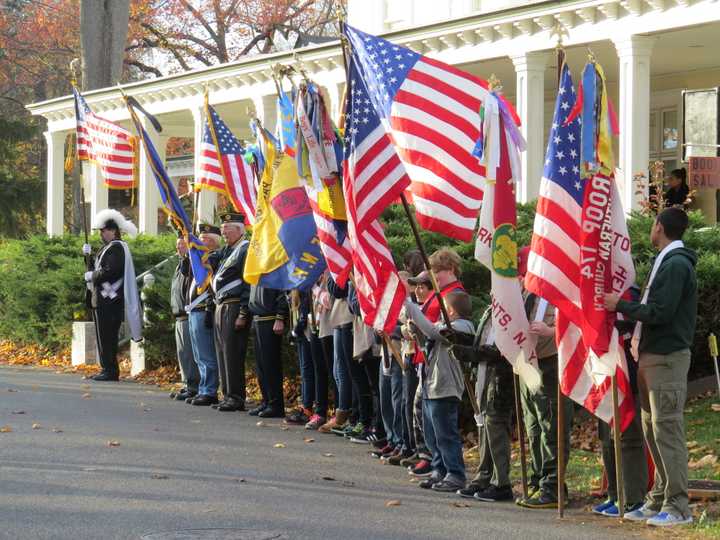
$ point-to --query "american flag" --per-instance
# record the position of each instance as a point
(223, 167)
(373, 177)
(554, 263)
(106, 144)
(431, 112)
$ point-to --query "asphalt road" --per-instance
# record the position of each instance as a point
(187, 472)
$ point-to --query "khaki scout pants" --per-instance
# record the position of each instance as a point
(662, 381)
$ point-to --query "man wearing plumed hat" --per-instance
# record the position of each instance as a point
(110, 279)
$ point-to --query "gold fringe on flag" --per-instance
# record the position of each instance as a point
(69, 153)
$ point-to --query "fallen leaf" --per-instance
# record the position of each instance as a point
(5, 429)
(157, 476)
(308, 439)
(57, 430)
(87, 396)
(393, 502)
(284, 428)
(328, 455)
(692, 444)
(85, 386)
(705, 461)
(113, 443)
(11, 390)
(260, 423)
(328, 478)
(715, 407)
(36, 426)
(279, 445)
(147, 409)
(18, 412)
(460, 505)
(240, 480)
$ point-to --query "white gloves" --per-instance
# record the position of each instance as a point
(86, 249)
(88, 276)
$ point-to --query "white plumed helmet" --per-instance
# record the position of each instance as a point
(110, 218)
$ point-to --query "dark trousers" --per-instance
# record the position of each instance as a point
(496, 406)
(268, 364)
(634, 462)
(372, 371)
(540, 417)
(307, 372)
(186, 360)
(342, 351)
(392, 400)
(362, 389)
(410, 383)
(231, 348)
(321, 372)
(108, 318)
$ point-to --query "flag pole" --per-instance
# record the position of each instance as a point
(521, 435)
(620, 485)
(560, 31)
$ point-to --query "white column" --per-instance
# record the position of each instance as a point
(55, 181)
(530, 99)
(148, 194)
(207, 199)
(96, 192)
(634, 105)
(266, 110)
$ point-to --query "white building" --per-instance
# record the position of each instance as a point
(651, 50)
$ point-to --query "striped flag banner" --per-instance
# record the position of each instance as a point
(430, 110)
(106, 144)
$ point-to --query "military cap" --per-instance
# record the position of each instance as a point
(207, 228)
(232, 217)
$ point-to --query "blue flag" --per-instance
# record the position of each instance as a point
(198, 252)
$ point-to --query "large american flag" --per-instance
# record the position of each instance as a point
(554, 262)
(373, 177)
(106, 144)
(223, 167)
(431, 112)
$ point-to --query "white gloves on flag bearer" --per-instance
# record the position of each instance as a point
(88, 276)
(86, 249)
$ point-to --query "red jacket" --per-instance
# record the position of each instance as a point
(431, 309)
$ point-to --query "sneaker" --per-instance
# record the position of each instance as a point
(398, 457)
(495, 494)
(470, 491)
(428, 483)
(543, 500)
(411, 461)
(666, 519)
(447, 486)
(387, 450)
(641, 514)
(600, 508)
(366, 437)
(611, 511)
(356, 431)
(421, 470)
(343, 430)
(315, 422)
(299, 416)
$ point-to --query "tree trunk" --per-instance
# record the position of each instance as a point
(103, 33)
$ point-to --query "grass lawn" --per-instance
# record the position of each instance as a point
(584, 473)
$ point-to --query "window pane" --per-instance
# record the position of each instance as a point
(670, 130)
(653, 133)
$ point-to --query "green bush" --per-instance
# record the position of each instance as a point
(42, 291)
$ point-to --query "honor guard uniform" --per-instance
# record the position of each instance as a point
(110, 279)
(231, 294)
(200, 313)
(270, 310)
(179, 293)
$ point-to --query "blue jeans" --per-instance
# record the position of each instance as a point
(391, 402)
(442, 436)
(307, 372)
(203, 346)
(342, 343)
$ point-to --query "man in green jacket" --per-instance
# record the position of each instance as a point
(663, 337)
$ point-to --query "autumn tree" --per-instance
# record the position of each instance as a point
(219, 31)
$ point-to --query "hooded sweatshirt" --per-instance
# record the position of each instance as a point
(670, 313)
